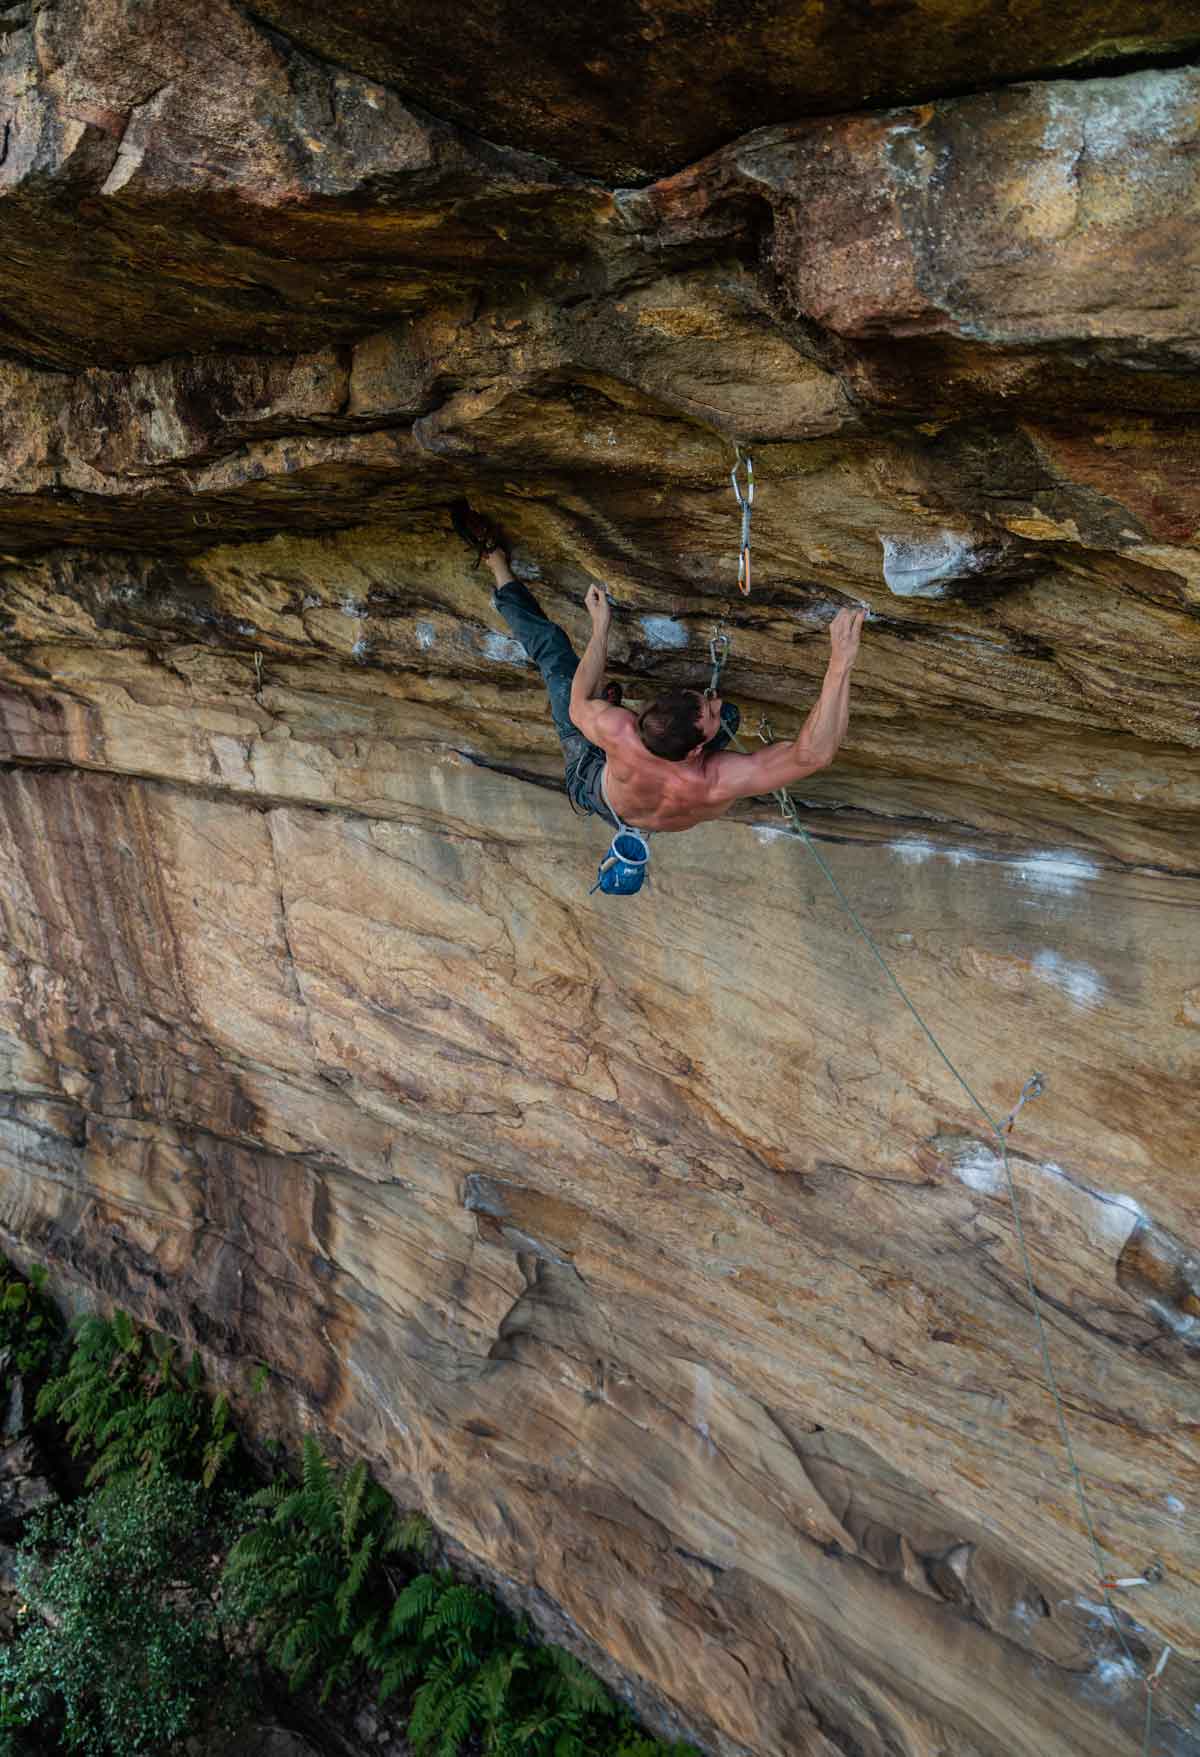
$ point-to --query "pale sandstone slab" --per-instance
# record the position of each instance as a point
(552, 1210)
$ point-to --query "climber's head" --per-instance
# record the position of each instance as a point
(679, 722)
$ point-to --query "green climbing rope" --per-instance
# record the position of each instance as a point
(1032, 1088)
(719, 649)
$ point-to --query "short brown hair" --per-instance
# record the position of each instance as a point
(670, 726)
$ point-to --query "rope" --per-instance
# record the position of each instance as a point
(1031, 1089)
(719, 649)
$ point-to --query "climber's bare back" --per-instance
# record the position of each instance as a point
(654, 794)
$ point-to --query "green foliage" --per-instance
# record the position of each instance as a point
(121, 1653)
(135, 1644)
(124, 1397)
(483, 1678)
(311, 1576)
(308, 1574)
(30, 1327)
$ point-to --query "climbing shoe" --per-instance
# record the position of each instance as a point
(475, 529)
(613, 694)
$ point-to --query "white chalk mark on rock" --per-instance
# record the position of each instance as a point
(503, 649)
(913, 850)
(1081, 984)
(916, 567)
(973, 1163)
(664, 631)
(1058, 874)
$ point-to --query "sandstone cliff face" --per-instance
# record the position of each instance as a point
(646, 1245)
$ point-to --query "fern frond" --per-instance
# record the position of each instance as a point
(352, 1491)
(493, 1681)
(413, 1532)
(251, 1549)
(458, 1721)
(365, 1641)
(272, 1495)
(399, 1670)
(348, 1590)
(573, 1686)
(463, 1609)
(414, 1603)
(430, 1704)
(533, 1728)
(316, 1475)
(297, 1504)
(215, 1455)
(335, 1675)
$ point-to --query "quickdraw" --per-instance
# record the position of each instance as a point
(718, 652)
(745, 500)
(719, 642)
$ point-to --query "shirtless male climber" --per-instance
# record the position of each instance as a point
(665, 768)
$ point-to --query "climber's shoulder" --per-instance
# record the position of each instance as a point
(609, 727)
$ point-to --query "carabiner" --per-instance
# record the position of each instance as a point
(745, 500)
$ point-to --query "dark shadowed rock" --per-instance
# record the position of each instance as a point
(23, 1486)
(647, 85)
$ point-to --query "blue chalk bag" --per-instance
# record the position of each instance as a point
(623, 868)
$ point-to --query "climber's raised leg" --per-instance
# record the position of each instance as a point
(551, 651)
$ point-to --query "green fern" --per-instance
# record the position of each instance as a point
(434, 1701)
(352, 1585)
(123, 1399)
(307, 1572)
(353, 1490)
(401, 1669)
(30, 1327)
(413, 1533)
(414, 1604)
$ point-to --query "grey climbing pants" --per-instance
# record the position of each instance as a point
(551, 651)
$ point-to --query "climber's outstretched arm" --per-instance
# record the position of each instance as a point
(818, 741)
(590, 675)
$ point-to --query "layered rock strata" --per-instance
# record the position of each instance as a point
(649, 1248)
